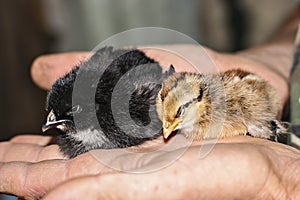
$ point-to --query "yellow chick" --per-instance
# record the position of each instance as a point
(243, 102)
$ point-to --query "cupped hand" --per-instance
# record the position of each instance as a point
(236, 167)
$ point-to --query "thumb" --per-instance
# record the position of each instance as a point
(46, 69)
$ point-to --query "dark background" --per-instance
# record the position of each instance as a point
(29, 28)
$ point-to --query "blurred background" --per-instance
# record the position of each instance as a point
(30, 28)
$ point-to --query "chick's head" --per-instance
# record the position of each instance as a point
(183, 103)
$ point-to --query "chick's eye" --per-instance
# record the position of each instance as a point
(180, 112)
(75, 109)
(51, 117)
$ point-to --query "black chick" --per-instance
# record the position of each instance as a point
(106, 102)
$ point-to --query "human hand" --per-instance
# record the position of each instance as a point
(236, 167)
(46, 69)
(248, 165)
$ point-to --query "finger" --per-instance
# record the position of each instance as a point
(48, 68)
(121, 186)
(18, 178)
(33, 180)
(82, 185)
(10, 151)
(32, 139)
(166, 57)
(188, 178)
(192, 58)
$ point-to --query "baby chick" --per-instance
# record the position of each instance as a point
(98, 78)
(243, 102)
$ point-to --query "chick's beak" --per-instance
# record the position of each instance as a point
(61, 125)
(169, 128)
(52, 123)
